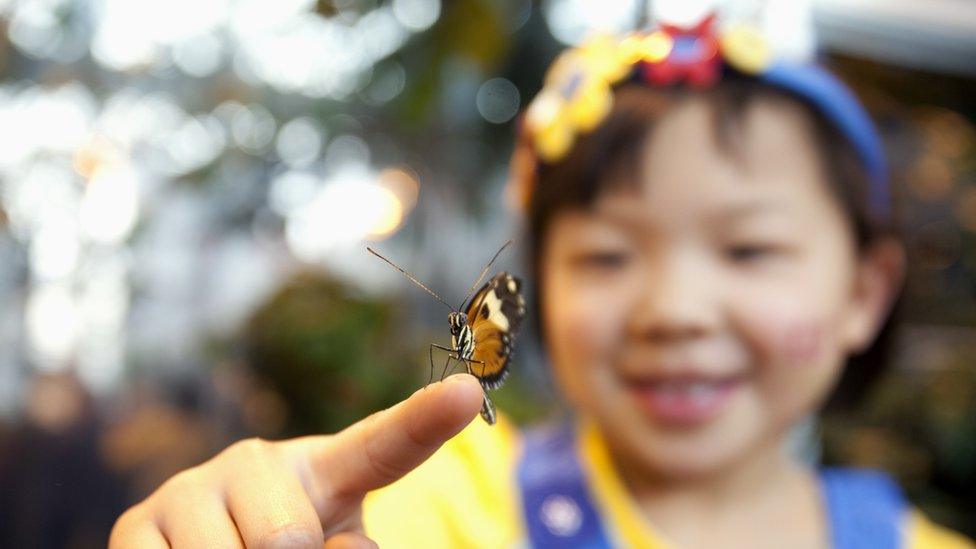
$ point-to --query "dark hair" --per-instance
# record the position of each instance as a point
(600, 160)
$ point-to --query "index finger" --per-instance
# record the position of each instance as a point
(387, 445)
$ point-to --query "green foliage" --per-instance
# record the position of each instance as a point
(334, 355)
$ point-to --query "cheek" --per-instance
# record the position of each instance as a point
(796, 359)
(582, 326)
(791, 335)
(792, 339)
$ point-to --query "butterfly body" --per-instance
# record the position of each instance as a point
(462, 339)
(483, 331)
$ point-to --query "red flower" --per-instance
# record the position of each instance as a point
(693, 60)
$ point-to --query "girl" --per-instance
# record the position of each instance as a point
(710, 239)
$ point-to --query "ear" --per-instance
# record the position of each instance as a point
(879, 277)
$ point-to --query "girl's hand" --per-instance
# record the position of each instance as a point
(299, 492)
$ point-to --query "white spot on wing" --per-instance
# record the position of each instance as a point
(495, 310)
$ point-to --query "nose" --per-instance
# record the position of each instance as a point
(677, 299)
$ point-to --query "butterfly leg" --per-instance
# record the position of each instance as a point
(469, 361)
(430, 377)
(452, 353)
(444, 372)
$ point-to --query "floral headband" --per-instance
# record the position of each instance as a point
(577, 94)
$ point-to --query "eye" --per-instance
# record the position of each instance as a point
(752, 252)
(603, 259)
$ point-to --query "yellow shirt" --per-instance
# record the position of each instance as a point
(466, 495)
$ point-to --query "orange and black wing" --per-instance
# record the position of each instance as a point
(495, 314)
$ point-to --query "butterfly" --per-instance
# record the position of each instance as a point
(483, 334)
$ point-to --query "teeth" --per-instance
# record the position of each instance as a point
(696, 389)
(682, 386)
(701, 394)
(687, 398)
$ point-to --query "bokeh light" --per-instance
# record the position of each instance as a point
(403, 183)
(417, 15)
(498, 100)
(347, 207)
(571, 21)
(110, 207)
(52, 325)
(299, 141)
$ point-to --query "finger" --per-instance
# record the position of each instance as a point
(199, 520)
(267, 500)
(350, 540)
(387, 445)
(136, 528)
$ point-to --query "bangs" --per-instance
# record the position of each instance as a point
(610, 158)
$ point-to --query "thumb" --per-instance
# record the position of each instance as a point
(387, 445)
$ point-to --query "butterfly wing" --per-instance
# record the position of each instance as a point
(488, 410)
(495, 314)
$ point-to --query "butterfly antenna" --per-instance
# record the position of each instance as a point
(410, 276)
(483, 273)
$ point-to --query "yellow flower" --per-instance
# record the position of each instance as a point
(551, 130)
(744, 48)
(600, 57)
(590, 106)
(577, 95)
(649, 48)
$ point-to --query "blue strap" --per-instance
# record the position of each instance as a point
(866, 509)
(557, 505)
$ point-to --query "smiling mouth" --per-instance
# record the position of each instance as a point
(684, 402)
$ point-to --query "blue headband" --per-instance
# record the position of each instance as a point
(836, 102)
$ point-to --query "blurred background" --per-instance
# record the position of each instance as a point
(186, 189)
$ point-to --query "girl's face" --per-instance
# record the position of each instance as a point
(700, 315)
